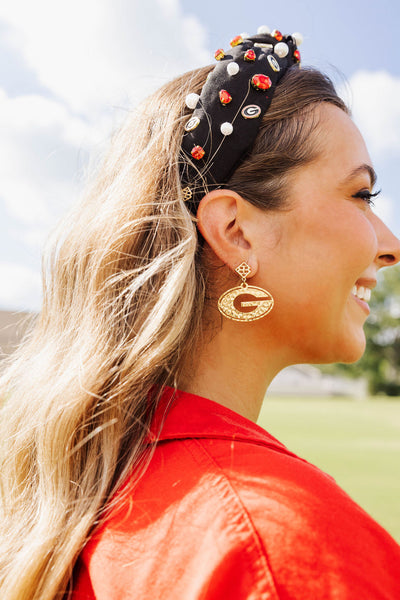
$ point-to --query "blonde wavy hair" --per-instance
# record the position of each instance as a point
(124, 292)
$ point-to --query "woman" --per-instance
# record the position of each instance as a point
(132, 467)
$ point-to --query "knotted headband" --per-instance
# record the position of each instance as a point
(228, 113)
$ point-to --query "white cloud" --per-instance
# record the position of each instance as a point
(90, 55)
(39, 149)
(20, 287)
(95, 53)
(170, 8)
(374, 100)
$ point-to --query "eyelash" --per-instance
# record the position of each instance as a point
(367, 196)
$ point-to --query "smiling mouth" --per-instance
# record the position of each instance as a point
(361, 292)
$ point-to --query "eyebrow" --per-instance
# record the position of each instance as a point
(362, 169)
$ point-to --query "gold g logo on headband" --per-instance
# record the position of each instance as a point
(274, 63)
(251, 111)
(192, 123)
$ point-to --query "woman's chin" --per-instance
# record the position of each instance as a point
(352, 350)
(349, 350)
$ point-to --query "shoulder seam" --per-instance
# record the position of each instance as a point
(260, 546)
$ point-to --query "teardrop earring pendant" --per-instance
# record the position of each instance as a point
(245, 302)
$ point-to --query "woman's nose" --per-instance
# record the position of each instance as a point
(388, 245)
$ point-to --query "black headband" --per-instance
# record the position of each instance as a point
(228, 113)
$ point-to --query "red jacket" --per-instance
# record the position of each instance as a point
(226, 512)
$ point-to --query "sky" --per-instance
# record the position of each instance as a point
(71, 70)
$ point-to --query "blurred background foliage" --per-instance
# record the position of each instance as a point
(380, 364)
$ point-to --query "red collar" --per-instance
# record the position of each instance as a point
(181, 415)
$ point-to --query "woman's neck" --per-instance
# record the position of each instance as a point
(232, 368)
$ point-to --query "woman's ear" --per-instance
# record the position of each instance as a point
(222, 216)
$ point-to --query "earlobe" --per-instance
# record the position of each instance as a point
(221, 218)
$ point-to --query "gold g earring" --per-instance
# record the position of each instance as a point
(245, 302)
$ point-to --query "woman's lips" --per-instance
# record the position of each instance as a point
(363, 304)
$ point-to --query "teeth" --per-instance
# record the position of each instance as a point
(361, 292)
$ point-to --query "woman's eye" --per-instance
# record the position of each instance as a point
(367, 196)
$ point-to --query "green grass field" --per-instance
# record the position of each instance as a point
(357, 442)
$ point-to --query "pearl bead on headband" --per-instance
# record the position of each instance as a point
(228, 113)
